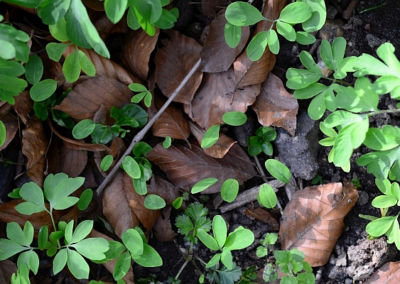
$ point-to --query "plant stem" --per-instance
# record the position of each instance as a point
(143, 132)
(182, 267)
(384, 111)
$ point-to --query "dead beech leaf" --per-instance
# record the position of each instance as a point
(249, 72)
(389, 273)
(263, 215)
(163, 229)
(173, 62)
(23, 105)
(220, 148)
(164, 189)
(172, 121)
(186, 166)
(110, 265)
(72, 162)
(106, 67)
(34, 146)
(312, 222)
(216, 55)
(124, 208)
(275, 106)
(87, 97)
(78, 145)
(7, 268)
(137, 50)
(217, 95)
(11, 124)
(209, 7)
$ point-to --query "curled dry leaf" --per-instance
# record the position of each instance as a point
(312, 222)
(72, 162)
(87, 97)
(186, 166)
(137, 50)
(163, 229)
(263, 215)
(164, 189)
(275, 106)
(389, 273)
(216, 55)
(78, 145)
(11, 124)
(173, 63)
(124, 208)
(217, 95)
(34, 146)
(249, 72)
(220, 148)
(110, 265)
(23, 105)
(172, 122)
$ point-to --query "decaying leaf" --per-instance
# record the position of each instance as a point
(173, 62)
(172, 121)
(186, 166)
(11, 124)
(312, 222)
(7, 268)
(209, 7)
(106, 67)
(72, 162)
(23, 105)
(87, 97)
(220, 148)
(124, 208)
(217, 95)
(216, 55)
(162, 229)
(34, 146)
(263, 215)
(389, 273)
(137, 50)
(164, 189)
(109, 265)
(275, 106)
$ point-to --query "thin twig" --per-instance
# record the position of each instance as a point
(143, 132)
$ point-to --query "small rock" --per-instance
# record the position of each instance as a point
(331, 30)
(348, 281)
(373, 41)
(299, 153)
(331, 12)
(362, 197)
(337, 273)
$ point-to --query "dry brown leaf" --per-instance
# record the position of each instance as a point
(137, 50)
(105, 27)
(172, 121)
(94, 4)
(248, 72)
(34, 146)
(77, 145)
(220, 148)
(164, 189)
(7, 268)
(86, 98)
(389, 273)
(312, 222)
(109, 265)
(216, 55)
(263, 215)
(124, 208)
(23, 105)
(173, 62)
(186, 166)
(209, 7)
(163, 229)
(11, 124)
(106, 67)
(217, 95)
(72, 162)
(275, 106)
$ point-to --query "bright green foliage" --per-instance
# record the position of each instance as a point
(229, 190)
(267, 196)
(154, 202)
(266, 244)
(234, 118)
(194, 219)
(34, 69)
(43, 90)
(10, 85)
(3, 133)
(143, 92)
(13, 44)
(106, 162)
(239, 14)
(278, 170)
(261, 142)
(210, 136)
(238, 239)
(224, 274)
(203, 185)
(167, 142)
(292, 264)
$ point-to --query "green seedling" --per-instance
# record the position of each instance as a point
(266, 245)
(143, 94)
(262, 141)
(311, 14)
(67, 243)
